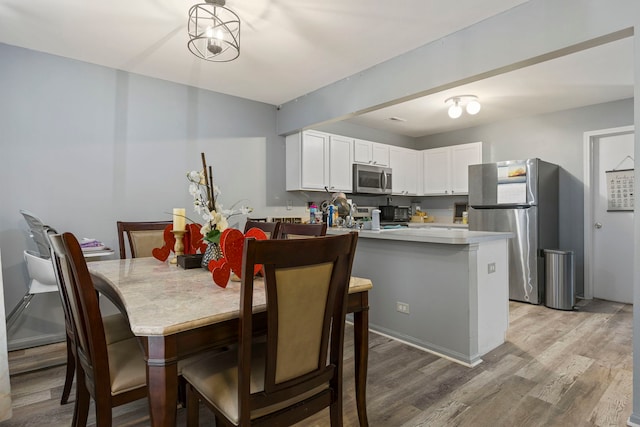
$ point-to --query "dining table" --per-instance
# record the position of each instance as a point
(178, 313)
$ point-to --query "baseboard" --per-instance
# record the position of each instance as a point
(22, 343)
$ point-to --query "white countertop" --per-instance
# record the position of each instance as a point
(428, 235)
(437, 225)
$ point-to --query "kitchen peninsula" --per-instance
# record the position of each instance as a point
(442, 290)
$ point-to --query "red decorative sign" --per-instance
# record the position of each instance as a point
(192, 241)
(232, 245)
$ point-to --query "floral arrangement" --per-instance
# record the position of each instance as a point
(205, 202)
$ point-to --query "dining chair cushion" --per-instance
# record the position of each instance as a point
(116, 328)
(216, 378)
(145, 241)
(126, 366)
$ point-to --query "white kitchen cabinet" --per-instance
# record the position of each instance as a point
(370, 153)
(446, 169)
(404, 165)
(317, 159)
(340, 161)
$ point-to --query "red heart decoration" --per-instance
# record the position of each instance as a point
(161, 254)
(196, 243)
(220, 272)
(232, 244)
(232, 241)
(257, 233)
(215, 263)
(169, 237)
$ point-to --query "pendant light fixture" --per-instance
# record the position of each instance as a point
(471, 103)
(214, 31)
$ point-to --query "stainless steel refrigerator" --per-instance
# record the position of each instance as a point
(520, 196)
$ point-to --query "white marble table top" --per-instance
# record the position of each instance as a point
(163, 299)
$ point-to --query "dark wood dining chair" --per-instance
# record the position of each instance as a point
(111, 373)
(297, 370)
(116, 326)
(271, 229)
(143, 237)
(300, 231)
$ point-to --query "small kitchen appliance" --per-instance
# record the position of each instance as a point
(369, 179)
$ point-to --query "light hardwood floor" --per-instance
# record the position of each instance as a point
(556, 369)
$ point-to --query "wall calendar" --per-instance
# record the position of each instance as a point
(620, 191)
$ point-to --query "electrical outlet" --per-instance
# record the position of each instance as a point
(491, 267)
(402, 307)
(289, 205)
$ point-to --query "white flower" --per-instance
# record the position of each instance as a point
(216, 219)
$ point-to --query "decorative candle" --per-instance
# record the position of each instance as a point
(178, 219)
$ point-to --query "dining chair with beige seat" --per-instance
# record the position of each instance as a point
(297, 370)
(142, 236)
(116, 326)
(301, 231)
(271, 229)
(113, 373)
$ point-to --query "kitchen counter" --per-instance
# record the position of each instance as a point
(443, 290)
(437, 225)
(457, 236)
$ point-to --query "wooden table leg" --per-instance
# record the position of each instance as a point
(162, 380)
(361, 345)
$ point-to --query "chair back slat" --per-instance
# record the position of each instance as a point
(85, 309)
(63, 275)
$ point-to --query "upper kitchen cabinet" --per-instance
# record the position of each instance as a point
(340, 164)
(405, 166)
(317, 159)
(370, 153)
(446, 169)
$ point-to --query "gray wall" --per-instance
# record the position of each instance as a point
(361, 132)
(556, 138)
(84, 146)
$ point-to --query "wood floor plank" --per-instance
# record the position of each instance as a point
(612, 409)
(561, 378)
(556, 369)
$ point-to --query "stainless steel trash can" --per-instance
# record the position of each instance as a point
(559, 279)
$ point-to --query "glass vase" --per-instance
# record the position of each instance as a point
(212, 252)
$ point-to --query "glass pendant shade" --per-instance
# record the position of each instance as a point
(214, 31)
(455, 111)
(473, 107)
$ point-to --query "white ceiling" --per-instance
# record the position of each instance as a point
(599, 74)
(292, 47)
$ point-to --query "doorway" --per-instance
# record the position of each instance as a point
(608, 222)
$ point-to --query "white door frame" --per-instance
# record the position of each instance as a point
(589, 138)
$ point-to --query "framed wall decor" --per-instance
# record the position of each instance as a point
(620, 191)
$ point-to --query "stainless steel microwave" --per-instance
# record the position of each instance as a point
(368, 179)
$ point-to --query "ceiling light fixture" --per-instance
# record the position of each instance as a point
(457, 102)
(214, 31)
